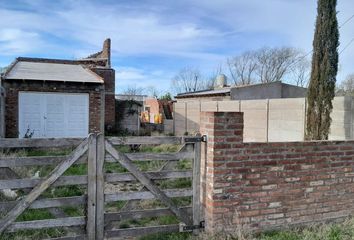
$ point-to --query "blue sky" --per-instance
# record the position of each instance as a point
(153, 39)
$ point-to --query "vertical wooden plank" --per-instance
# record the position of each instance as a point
(2, 112)
(91, 188)
(196, 184)
(100, 187)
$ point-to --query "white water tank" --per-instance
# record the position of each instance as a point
(220, 81)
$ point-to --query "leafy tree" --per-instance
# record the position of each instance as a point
(167, 96)
(324, 69)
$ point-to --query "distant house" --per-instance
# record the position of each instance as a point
(249, 92)
(154, 107)
(59, 98)
(136, 114)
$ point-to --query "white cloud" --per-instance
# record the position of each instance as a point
(130, 76)
(195, 32)
(17, 41)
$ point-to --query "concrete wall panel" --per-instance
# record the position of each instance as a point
(229, 106)
(193, 117)
(255, 120)
(180, 118)
(286, 119)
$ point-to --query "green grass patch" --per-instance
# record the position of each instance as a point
(167, 236)
(185, 164)
(175, 183)
(167, 220)
(115, 206)
(142, 165)
(65, 191)
(79, 169)
(114, 168)
(73, 211)
(163, 148)
(182, 201)
(34, 234)
(34, 214)
(47, 152)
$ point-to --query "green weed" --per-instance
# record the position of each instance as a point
(34, 214)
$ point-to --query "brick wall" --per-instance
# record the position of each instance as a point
(264, 186)
(13, 88)
(108, 76)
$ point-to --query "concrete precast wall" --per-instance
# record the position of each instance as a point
(286, 119)
(268, 120)
(255, 120)
(342, 119)
(180, 118)
(193, 117)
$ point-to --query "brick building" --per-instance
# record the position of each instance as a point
(60, 98)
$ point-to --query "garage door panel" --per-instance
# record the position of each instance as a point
(77, 110)
(54, 114)
(30, 117)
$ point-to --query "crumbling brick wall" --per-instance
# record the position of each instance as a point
(108, 75)
(263, 186)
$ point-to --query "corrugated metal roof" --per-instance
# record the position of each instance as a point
(52, 72)
(225, 90)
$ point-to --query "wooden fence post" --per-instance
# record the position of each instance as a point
(91, 188)
(196, 184)
(100, 187)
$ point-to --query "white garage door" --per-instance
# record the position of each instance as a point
(56, 115)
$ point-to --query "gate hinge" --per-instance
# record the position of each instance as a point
(188, 228)
(195, 139)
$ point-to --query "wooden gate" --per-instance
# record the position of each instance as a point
(100, 155)
(188, 216)
(33, 188)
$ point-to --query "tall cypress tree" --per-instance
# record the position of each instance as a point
(321, 89)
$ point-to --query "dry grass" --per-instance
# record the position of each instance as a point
(330, 231)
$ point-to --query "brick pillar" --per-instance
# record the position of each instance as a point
(219, 195)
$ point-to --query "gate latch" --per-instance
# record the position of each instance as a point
(188, 228)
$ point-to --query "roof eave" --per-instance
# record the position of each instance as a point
(51, 80)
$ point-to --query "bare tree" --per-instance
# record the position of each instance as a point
(188, 79)
(209, 82)
(346, 88)
(274, 63)
(152, 91)
(269, 65)
(133, 90)
(242, 68)
(299, 73)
